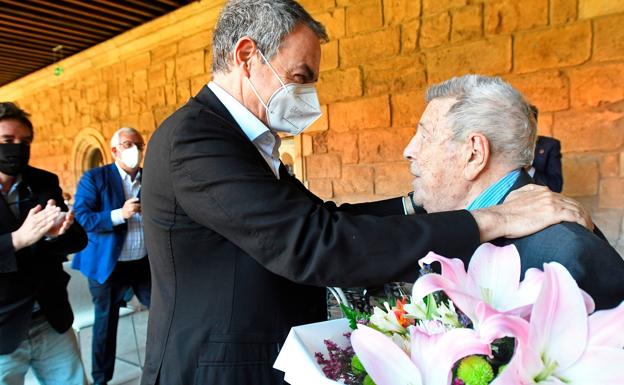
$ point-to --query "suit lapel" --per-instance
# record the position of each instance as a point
(9, 222)
(116, 185)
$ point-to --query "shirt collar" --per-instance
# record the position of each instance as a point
(493, 194)
(125, 176)
(15, 185)
(248, 122)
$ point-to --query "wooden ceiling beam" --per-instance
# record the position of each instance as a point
(126, 24)
(105, 10)
(46, 31)
(54, 22)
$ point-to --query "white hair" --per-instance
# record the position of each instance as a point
(492, 107)
(126, 130)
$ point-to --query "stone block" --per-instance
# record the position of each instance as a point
(359, 114)
(407, 108)
(552, 48)
(163, 52)
(156, 97)
(435, 30)
(306, 144)
(334, 22)
(593, 8)
(190, 65)
(431, 7)
(156, 76)
(138, 62)
(146, 122)
(183, 91)
(397, 74)
(377, 146)
(609, 221)
(368, 47)
(563, 11)
(139, 81)
(317, 6)
(170, 95)
(322, 123)
(170, 70)
(591, 129)
(208, 61)
(610, 165)
(364, 16)
(321, 188)
(329, 56)
(548, 90)
(339, 84)
(622, 163)
(580, 176)
(410, 31)
(595, 85)
(198, 82)
(612, 193)
(138, 102)
(356, 179)
(399, 11)
(609, 38)
(505, 16)
(467, 23)
(545, 124)
(200, 41)
(490, 56)
(319, 143)
(393, 179)
(323, 166)
(345, 144)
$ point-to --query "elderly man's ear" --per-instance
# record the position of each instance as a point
(244, 50)
(477, 156)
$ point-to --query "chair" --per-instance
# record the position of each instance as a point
(84, 310)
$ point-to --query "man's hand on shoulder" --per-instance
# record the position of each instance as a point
(527, 211)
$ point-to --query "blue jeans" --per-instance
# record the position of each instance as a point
(54, 357)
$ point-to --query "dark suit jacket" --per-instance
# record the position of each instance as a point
(100, 191)
(238, 257)
(594, 264)
(547, 163)
(34, 273)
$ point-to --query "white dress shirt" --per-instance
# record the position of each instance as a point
(266, 141)
(134, 244)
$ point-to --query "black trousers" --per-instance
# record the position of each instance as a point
(108, 297)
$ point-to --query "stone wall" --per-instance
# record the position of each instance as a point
(567, 56)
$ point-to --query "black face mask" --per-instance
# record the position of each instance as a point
(14, 157)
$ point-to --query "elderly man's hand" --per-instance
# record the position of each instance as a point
(529, 210)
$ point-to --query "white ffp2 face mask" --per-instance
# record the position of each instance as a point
(131, 157)
(292, 108)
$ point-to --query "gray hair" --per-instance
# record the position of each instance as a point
(267, 22)
(126, 130)
(494, 108)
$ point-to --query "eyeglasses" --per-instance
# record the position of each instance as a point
(128, 144)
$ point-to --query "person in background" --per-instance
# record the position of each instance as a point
(108, 206)
(36, 232)
(546, 166)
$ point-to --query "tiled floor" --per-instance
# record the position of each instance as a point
(125, 374)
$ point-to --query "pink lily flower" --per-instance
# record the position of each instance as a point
(431, 361)
(564, 345)
(493, 277)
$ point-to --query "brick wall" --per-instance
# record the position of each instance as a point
(567, 56)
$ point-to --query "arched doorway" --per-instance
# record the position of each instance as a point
(90, 150)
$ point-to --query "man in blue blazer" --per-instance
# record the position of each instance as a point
(107, 205)
(473, 142)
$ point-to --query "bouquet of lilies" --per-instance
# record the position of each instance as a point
(485, 326)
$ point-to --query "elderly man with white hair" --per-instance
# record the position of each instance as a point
(470, 151)
(107, 205)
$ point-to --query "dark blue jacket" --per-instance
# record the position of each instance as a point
(547, 163)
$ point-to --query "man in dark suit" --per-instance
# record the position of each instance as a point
(474, 140)
(36, 232)
(240, 250)
(107, 205)
(546, 166)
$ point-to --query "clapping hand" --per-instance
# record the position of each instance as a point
(38, 222)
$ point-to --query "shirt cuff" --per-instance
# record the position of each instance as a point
(117, 217)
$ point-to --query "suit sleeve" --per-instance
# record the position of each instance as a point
(225, 188)
(74, 240)
(87, 206)
(8, 260)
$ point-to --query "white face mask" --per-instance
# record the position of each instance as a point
(131, 157)
(292, 108)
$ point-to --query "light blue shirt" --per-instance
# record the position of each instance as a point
(134, 245)
(493, 194)
(258, 133)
